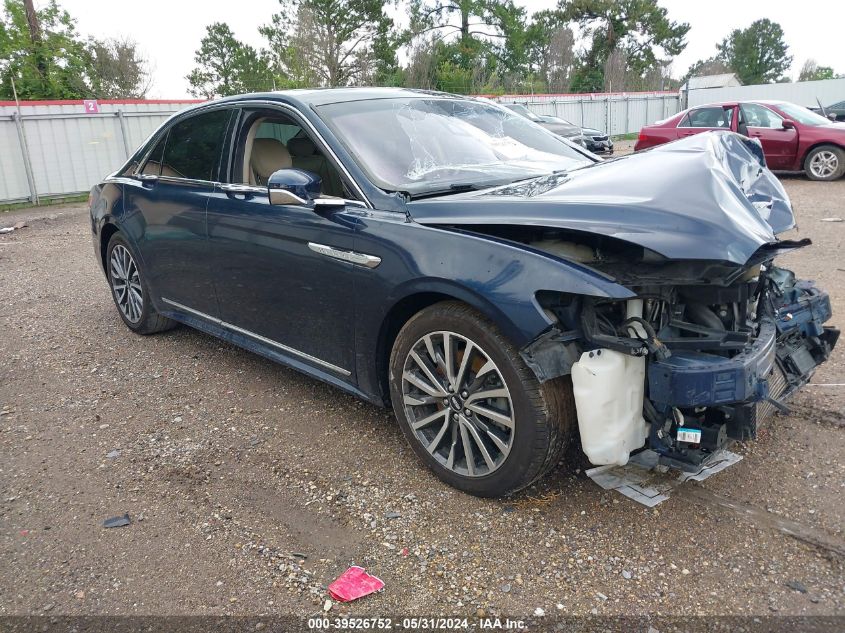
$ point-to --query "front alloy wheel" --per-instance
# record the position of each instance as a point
(458, 404)
(470, 407)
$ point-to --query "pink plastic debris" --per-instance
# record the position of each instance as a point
(354, 583)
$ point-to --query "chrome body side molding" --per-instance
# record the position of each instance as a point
(258, 337)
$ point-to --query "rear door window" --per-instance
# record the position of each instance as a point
(715, 117)
(193, 146)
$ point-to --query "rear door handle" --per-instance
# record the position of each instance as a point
(148, 180)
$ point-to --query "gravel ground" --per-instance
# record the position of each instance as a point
(250, 487)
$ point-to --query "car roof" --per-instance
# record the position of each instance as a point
(721, 104)
(324, 96)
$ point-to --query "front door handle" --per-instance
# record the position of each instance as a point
(248, 191)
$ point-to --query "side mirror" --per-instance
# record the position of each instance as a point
(788, 124)
(293, 186)
(831, 116)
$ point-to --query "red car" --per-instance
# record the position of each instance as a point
(793, 138)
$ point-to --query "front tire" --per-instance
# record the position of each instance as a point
(826, 162)
(469, 406)
(129, 290)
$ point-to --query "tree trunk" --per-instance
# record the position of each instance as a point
(37, 48)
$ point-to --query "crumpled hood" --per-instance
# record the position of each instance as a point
(704, 197)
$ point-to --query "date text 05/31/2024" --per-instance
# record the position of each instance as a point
(414, 624)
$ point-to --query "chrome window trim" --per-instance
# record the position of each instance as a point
(251, 102)
(175, 180)
(258, 337)
(170, 123)
(317, 136)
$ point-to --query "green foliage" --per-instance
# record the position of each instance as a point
(640, 29)
(332, 42)
(588, 78)
(453, 78)
(55, 63)
(116, 69)
(811, 71)
(704, 67)
(51, 66)
(757, 54)
(227, 66)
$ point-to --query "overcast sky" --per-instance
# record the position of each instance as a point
(169, 31)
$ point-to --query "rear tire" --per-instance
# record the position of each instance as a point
(129, 290)
(516, 428)
(826, 163)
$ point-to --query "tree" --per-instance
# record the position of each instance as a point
(473, 19)
(116, 70)
(43, 53)
(757, 54)
(704, 67)
(421, 71)
(640, 29)
(483, 42)
(811, 71)
(550, 48)
(227, 66)
(331, 42)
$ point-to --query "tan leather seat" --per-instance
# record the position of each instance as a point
(268, 155)
(306, 156)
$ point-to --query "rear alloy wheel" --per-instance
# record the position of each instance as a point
(470, 408)
(129, 290)
(825, 163)
(126, 283)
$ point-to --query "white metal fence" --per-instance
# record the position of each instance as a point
(614, 113)
(804, 93)
(61, 148)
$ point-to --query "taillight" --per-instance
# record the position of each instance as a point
(642, 136)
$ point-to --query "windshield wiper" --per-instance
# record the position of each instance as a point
(459, 187)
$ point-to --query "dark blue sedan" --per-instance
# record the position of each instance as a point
(494, 283)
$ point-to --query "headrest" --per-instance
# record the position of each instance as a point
(302, 146)
(268, 155)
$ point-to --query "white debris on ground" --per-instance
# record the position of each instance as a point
(14, 227)
(645, 481)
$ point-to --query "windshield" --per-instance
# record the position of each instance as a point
(802, 115)
(423, 145)
(524, 111)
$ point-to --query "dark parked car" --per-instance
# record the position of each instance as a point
(835, 112)
(494, 284)
(594, 140)
(793, 137)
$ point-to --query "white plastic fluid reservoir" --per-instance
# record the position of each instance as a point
(608, 389)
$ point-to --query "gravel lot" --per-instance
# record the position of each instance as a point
(250, 487)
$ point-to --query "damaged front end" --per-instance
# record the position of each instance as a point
(686, 367)
(717, 337)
